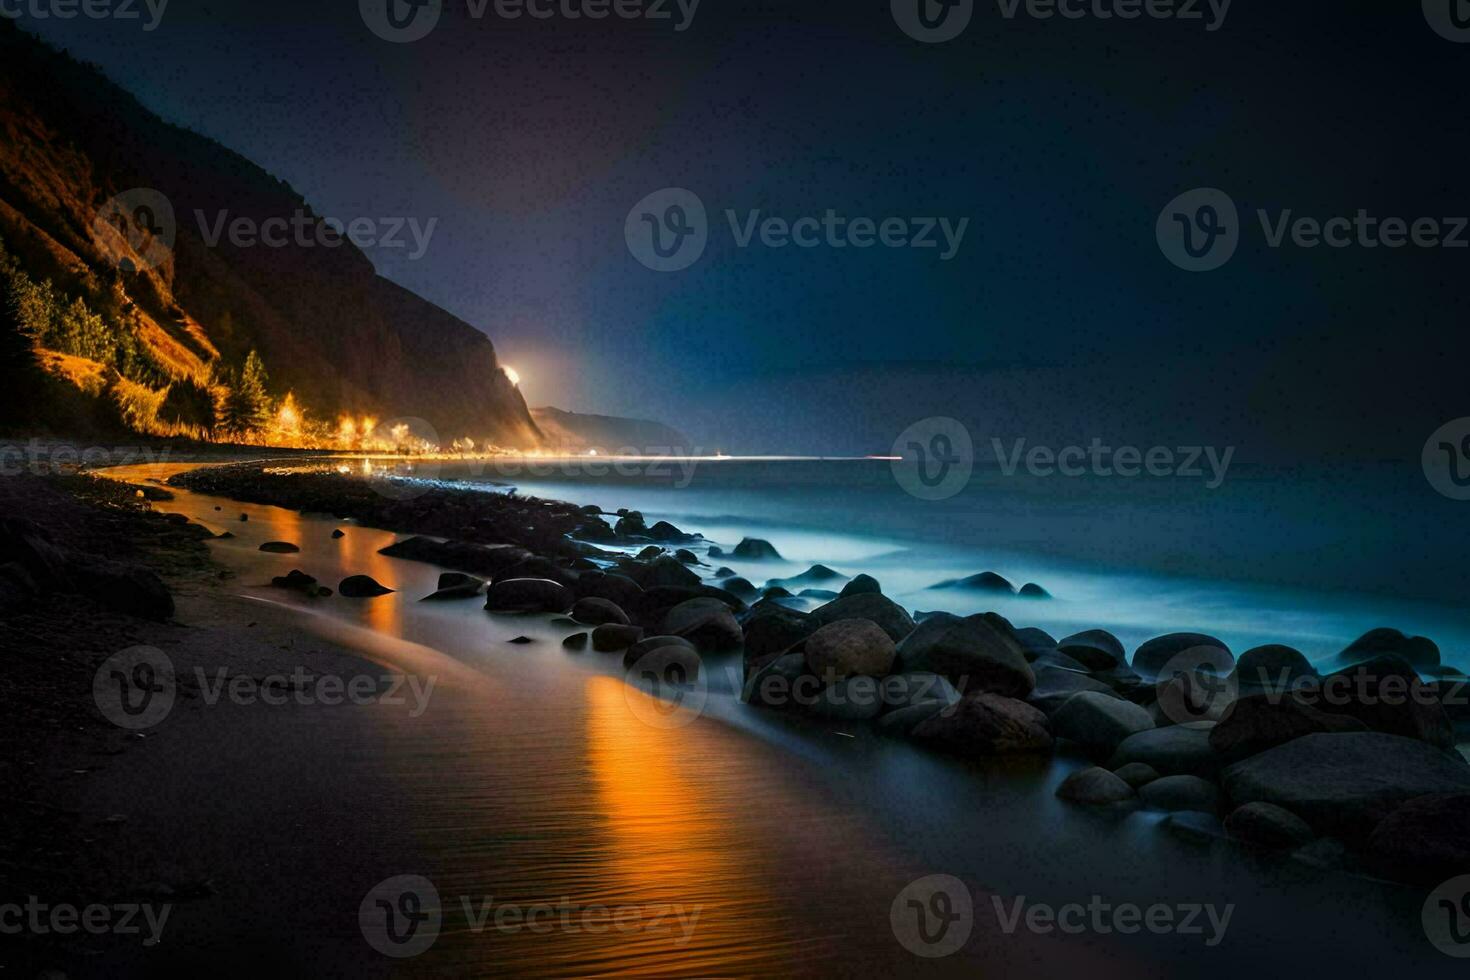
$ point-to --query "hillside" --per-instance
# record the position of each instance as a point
(131, 331)
(573, 432)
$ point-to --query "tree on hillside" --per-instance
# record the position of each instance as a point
(247, 407)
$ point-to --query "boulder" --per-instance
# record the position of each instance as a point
(1259, 722)
(593, 611)
(459, 580)
(1344, 784)
(1095, 787)
(1179, 750)
(722, 571)
(649, 553)
(1426, 841)
(1033, 591)
(987, 724)
(772, 629)
(610, 637)
(122, 587)
(1180, 793)
(892, 618)
(687, 557)
(771, 686)
(536, 566)
(664, 531)
(338, 533)
(477, 559)
(1038, 643)
(1056, 685)
(280, 548)
(738, 585)
(1274, 667)
(905, 690)
(1137, 774)
(981, 582)
(861, 585)
(706, 622)
(1099, 722)
(848, 647)
(1097, 649)
(977, 653)
(754, 549)
(815, 575)
(1194, 826)
(611, 586)
(361, 587)
(649, 644)
(666, 571)
(903, 721)
(1150, 659)
(1267, 826)
(577, 641)
(1387, 695)
(854, 698)
(1417, 651)
(531, 595)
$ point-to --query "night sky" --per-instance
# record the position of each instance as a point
(1060, 140)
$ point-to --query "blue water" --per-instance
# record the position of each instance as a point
(1312, 559)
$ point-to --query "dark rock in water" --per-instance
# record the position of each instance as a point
(594, 529)
(1180, 793)
(577, 641)
(1259, 722)
(982, 582)
(650, 553)
(776, 592)
(532, 595)
(649, 644)
(707, 623)
(1099, 722)
(1194, 826)
(825, 595)
(754, 549)
(655, 604)
(977, 654)
(810, 577)
(738, 586)
(611, 586)
(536, 566)
(1137, 774)
(772, 629)
(771, 685)
(1344, 785)
(1039, 643)
(715, 551)
(1192, 649)
(667, 570)
(1324, 854)
(1188, 696)
(1267, 826)
(338, 533)
(1096, 787)
(687, 557)
(1056, 685)
(224, 536)
(1098, 649)
(593, 611)
(521, 640)
(1425, 841)
(1273, 667)
(848, 647)
(478, 559)
(663, 659)
(361, 587)
(903, 721)
(280, 548)
(723, 572)
(122, 587)
(1033, 591)
(1387, 695)
(244, 517)
(1418, 651)
(459, 580)
(872, 606)
(906, 690)
(630, 524)
(861, 585)
(664, 531)
(296, 579)
(611, 637)
(1179, 750)
(987, 724)
(853, 698)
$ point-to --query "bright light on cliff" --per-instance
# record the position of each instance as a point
(512, 374)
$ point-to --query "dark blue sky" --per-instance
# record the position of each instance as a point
(1059, 140)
